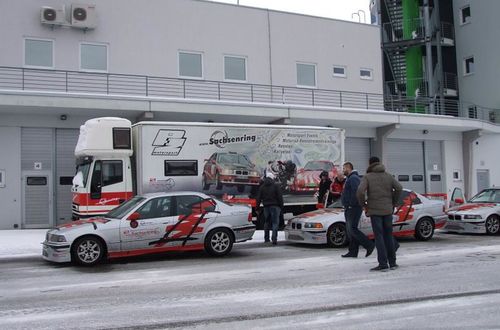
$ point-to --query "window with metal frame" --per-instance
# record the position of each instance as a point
(39, 53)
(306, 75)
(190, 65)
(93, 57)
(235, 68)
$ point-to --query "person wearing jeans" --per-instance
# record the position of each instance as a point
(379, 192)
(352, 214)
(272, 199)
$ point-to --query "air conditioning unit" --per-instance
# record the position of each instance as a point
(83, 16)
(54, 16)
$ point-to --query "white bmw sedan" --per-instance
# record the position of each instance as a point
(415, 216)
(152, 223)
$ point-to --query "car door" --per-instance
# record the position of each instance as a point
(148, 231)
(192, 219)
(457, 197)
(407, 212)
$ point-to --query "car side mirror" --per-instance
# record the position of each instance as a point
(134, 216)
(459, 200)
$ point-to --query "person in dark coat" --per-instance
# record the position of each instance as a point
(271, 198)
(324, 186)
(379, 192)
(352, 213)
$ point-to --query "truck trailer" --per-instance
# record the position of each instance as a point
(117, 160)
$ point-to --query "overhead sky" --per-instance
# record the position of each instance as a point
(339, 9)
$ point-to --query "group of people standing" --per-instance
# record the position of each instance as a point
(376, 193)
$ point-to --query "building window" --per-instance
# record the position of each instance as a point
(39, 53)
(306, 75)
(465, 16)
(366, 74)
(339, 71)
(190, 65)
(469, 65)
(235, 68)
(93, 57)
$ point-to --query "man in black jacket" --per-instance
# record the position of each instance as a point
(272, 199)
(352, 213)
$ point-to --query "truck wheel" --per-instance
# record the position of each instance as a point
(218, 184)
(492, 225)
(206, 186)
(336, 235)
(219, 242)
(88, 250)
(424, 230)
(240, 188)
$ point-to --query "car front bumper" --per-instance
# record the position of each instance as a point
(465, 227)
(56, 253)
(306, 237)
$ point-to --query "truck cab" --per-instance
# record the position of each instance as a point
(103, 177)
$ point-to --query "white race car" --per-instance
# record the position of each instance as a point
(416, 216)
(152, 223)
(481, 214)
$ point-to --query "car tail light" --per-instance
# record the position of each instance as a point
(250, 217)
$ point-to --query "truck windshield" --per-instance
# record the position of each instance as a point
(82, 173)
(122, 210)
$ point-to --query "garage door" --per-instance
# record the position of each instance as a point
(357, 151)
(66, 140)
(405, 160)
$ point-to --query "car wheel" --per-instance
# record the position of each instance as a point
(240, 188)
(336, 235)
(424, 230)
(218, 184)
(88, 251)
(204, 183)
(219, 242)
(492, 225)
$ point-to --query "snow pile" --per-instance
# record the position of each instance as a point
(21, 243)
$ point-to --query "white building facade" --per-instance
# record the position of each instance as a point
(189, 60)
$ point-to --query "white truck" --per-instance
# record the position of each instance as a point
(117, 160)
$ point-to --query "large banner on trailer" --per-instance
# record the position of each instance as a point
(233, 159)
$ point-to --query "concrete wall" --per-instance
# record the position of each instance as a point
(10, 162)
(479, 38)
(485, 156)
(144, 38)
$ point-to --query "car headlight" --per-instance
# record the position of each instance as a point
(56, 238)
(472, 216)
(226, 172)
(316, 225)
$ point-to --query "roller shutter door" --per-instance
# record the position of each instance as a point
(405, 160)
(66, 140)
(357, 151)
(36, 167)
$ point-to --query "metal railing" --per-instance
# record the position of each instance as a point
(84, 83)
(413, 87)
(402, 30)
(447, 30)
(136, 85)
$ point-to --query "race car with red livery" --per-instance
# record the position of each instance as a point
(415, 216)
(152, 223)
(481, 214)
(307, 178)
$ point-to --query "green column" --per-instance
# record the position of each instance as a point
(414, 71)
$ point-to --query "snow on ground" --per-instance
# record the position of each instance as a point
(27, 242)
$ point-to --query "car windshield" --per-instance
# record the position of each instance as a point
(318, 166)
(487, 196)
(123, 209)
(335, 205)
(233, 159)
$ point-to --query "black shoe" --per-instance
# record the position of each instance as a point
(349, 255)
(393, 267)
(267, 241)
(369, 251)
(275, 243)
(379, 269)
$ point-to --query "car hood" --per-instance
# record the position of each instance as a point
(473, 208)
(322, 215)
(87, 224)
